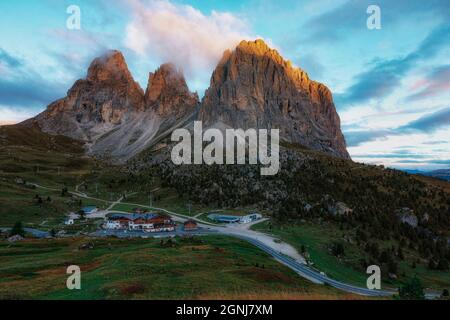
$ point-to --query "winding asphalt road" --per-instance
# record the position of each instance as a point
(309, 273)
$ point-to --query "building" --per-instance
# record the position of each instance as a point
(250, 218)
(89, 210)
(190, 225)
(147, 222)
(221, 218)
(69, 221)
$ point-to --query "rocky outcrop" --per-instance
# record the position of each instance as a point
(254, 87)
(96, 104)
(167, 92)
(110, 112)
(168, 95)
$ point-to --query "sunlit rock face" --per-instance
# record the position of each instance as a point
(254, 87)
(168, 94)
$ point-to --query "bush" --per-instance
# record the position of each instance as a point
(337, 249)
(17, 229)
(413, 290)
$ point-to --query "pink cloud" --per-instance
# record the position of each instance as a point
(182, 34)
(436, 83)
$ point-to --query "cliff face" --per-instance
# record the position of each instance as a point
(254, 87)
(168, 94)
(109, 111)
(94, 105)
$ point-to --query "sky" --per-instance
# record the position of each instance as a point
(391, 85)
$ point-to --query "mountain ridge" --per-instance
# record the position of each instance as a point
(254, 86)
(110, 112)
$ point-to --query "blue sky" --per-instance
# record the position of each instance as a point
(391, 86)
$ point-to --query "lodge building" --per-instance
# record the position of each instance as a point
(147, 222)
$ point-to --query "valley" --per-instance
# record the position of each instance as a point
(107, 145)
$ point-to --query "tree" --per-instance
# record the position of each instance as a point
(413, 290)
(337, 249)
(442, 264)
(17, 229)
(82, 214)
(431, 264)
(400, 254)
(392, 267)
(303, 249)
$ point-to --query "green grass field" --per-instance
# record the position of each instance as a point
(316, 238)
(196, 268)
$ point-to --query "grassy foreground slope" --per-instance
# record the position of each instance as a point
(315, 240)
(192, 268)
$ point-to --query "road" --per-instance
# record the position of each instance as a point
(317, 277)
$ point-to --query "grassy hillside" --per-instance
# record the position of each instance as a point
(315, 240)
(29, 156)
(198, 268)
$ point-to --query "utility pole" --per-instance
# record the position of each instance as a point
(189, 207)
(150, 198)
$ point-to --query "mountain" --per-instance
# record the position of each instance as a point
(167, 91)
(110, 112)
(97, 104)
(443, 174)
(254, 87)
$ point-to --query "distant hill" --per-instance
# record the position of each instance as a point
(443, 174)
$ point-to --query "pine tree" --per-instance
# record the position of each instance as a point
(413, 290)
(17, 229)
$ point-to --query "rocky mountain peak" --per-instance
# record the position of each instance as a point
(166, 78)
(253, 86)
(167, 91)
(110, 66)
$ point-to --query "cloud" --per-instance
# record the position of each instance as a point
(435, 142)
(30, 90)
(437, 82)
(20, 86)
(183, 35)
(355, 138)
(427, 123)
(390, 156)
(349, 18)
(8, 60)
(12, 115)
(384, 76)
(437, 161)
